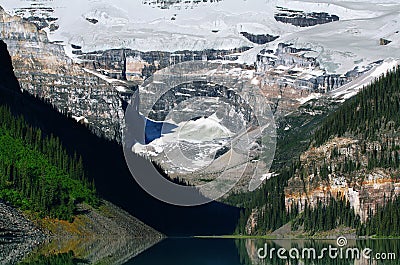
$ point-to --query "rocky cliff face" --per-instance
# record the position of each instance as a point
(183, 92)
(325, 175)
(39, 14)
(288, 78)
(95, 90)
(225, 93)
(259, 38)
(289, 66)
(43, 69)
(136, 66)
(303, 19)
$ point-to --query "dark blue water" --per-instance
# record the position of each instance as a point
(190, 251)
(193, 251)
(154, 130)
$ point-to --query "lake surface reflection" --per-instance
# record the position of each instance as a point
(175, 251)
(180, 251)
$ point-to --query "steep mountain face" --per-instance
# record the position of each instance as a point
(104, 160)
(18, 234)
(354, 157)
(289, 78)
(362, 162)
(217, 114)
(39, 14)
(292, 67)
(96, 90)
(94, 97)
(44, 70)
(136, 66)
(330, 171)
(219, 25)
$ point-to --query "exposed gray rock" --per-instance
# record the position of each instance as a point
(383, 41)
(92, 20)
(133, 65)
(44, 70)
(303, 19)
(293, 58)
(18, 236)
(108, 235)
(39, 14)
(260, 38)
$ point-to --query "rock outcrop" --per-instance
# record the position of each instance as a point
(384, 42)
(287, 76)
(135, 66)
(259, 38)
(290, 66)
(303, 19)
(44, 70)
(364, 189)
(18, 236)
(39, 14)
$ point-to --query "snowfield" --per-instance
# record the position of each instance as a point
(196, 140)
(339, 46)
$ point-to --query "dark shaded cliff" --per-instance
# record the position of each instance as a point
(105, 162)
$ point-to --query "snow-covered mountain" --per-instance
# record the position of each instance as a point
(140, 25)
(291, 51)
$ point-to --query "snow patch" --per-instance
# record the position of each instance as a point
(349, 90)
(308, 98)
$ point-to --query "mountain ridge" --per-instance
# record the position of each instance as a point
(353, 157)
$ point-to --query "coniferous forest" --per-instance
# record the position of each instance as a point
(369, 114)
(384, 222)
(372, 117)
(37, 173)
(325, 217)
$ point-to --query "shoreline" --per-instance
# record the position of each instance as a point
(104, 234)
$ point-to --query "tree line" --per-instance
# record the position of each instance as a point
(327, 216)
(372, 112)
(385, 221)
